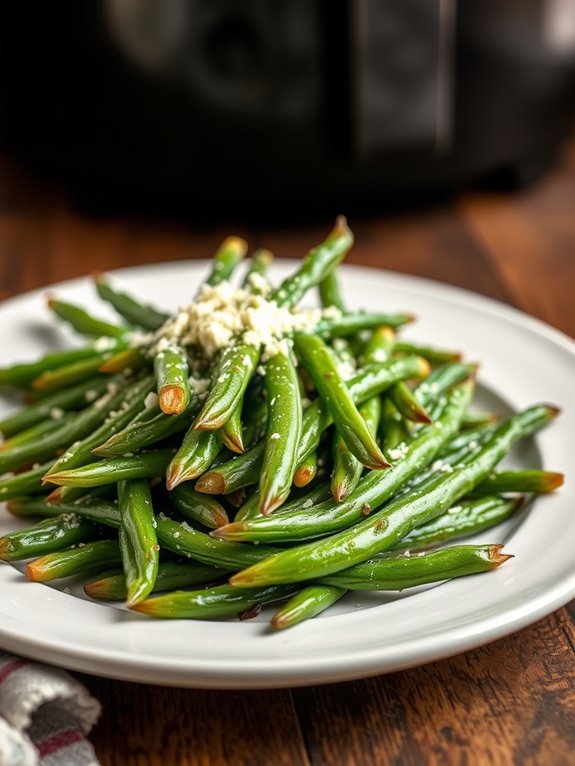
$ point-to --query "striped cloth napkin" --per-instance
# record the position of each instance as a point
(45, 715)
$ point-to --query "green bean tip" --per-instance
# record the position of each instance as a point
(553, 410)
(6, 549)
(228, 531)
(496, 555)
(172, 400)
(210, 483)
(35, 570)
(552, 480)
(55, 497)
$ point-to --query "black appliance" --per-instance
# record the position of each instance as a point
(270, 107)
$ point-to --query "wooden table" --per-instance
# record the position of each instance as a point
(512, 702)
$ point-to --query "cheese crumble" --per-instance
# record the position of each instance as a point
(222, 313)
(399, 452)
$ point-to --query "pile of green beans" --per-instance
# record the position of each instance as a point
(201, 483)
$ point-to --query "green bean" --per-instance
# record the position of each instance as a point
(467, 441)
(28, 505)
(283, 432)
(97, 509)
(378, 349)
(433, 355)
(138, 542)
(370, 381)
(372, 491)
(351, 324)
(396, 519)
(171, 575)
(22, 375)
(134, 312)
(65, 495)
(347, 469)
(83, 322)
(519, 481)
(442, 379)
(259, 264)
(310, 499)
(147, 465)
(245, 469)
(71, 430)
(316, 265)
(468, 518)
(91, 507)
(231, 432)
(352, 427)
(250, 508)
(402, 572)
(195, 455)
(407, 404)
(306, 470)
(448, 459)
(186, 541)
(237, 498)
(34, 432)
(240, 471)
(89, 557)
(474, 419)
(149, 428)
(308, 603)
(379, 346)
(70, 374)
(25, 483)
(255, 413)
(201, 508)
(171, 368)
(78, 396)
(447, 462)
(229, 254)
(392, 427)
(46, 537)
(127, 359)
(330, 293)
(233, 373)
(131, 402)
(210, 603)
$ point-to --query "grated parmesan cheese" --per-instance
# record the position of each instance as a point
(222, 313)
(442, 467)
(104, 344)
(399, 452)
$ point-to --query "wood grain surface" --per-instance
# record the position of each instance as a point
(512, 702)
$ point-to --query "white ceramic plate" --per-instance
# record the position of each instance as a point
(523, 362)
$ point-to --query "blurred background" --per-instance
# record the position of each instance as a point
(139, 131)
(278, 109)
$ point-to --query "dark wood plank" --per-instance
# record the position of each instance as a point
(149, 725)
(530, 240)
(509, 703)
(55, 244)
